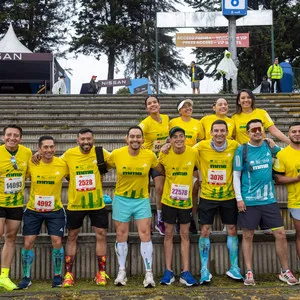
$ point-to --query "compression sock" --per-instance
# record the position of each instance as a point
(204, 248)
(233, 246)
(101, 262)
(121, 252)
(146, 251)
(27, 259)
(57, 259)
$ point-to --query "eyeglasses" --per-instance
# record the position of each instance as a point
(14, 163)
(255, 129)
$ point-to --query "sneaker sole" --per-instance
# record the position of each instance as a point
(118, 283)
(58, 286)
(24, 288)
(229, 274)
(67, 285)
(168, 283)
(248, 284)
(286, 281)
(207, 280)
(158, 229)
(149, 285)
(8, 288)
(181, 280)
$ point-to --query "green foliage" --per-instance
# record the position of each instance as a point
(123, 91)
(125, 32)
(41, 25)
(254, 61)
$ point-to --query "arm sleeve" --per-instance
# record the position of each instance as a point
(237, 185)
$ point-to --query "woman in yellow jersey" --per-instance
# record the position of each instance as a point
(221, 109)
(246, 111)
(191, 127)
(156, 131)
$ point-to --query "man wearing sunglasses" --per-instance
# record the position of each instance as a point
(255, 195)
(13, 168)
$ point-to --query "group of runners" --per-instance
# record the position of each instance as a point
(232, 160)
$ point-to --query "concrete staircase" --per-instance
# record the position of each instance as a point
(109, 117)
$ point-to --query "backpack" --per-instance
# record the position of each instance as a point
(100, 160)
(245, 155)
(201, 74)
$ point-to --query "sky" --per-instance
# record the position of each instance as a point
(83, 67)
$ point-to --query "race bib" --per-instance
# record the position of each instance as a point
(13, 185)
(157, 145)
(217, 177)
(44, 203)
(85, 182)
(179, 191)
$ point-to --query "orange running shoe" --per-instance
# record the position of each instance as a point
(68, 280)
(101, 277)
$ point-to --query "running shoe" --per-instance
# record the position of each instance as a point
(101, 277)
(160, 227)
(168, 278)
(6, 283)
(68, 280)
(25, 283)
(249, 278)
(149, 281)
(188, 279)
(288, 277)
(234, 273)
(121, 278)
(57, 281)
(205, 276)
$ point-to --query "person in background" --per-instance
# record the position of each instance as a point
(265, 86)
(275, 73)
(59, 88)
(196, 74)
(228, 70)
(93, 87)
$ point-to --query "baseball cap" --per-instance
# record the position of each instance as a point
(174, 130)
(181, 103)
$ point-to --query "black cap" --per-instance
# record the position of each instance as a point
(175, 129)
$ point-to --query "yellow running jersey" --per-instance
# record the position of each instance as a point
(205, 126)
(46, 184)
(191, 128)
(288, 162)
(155, 133)
(85, 187)
(132, 172)
(241, 120)
(216, 171)
(179, 170)
(12, 181)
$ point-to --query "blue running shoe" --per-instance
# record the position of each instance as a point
(205, 276)
(187, 279)
(234, 273)
(25, 283)
(168, 278)
(57, 281)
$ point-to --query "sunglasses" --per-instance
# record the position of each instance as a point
(255, 129)
(14, 163)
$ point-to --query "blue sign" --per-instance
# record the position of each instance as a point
(139, 86)
(234, 7)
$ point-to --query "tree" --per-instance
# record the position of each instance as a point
(41, 25)
(125, 32)
(254, 61)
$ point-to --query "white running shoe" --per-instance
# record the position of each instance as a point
(148, 281)
(121, 278)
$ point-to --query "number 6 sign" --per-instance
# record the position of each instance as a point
(234, 7)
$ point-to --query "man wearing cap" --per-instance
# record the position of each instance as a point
(59, 88)
(93, 87)
(196, 74)
(177, 203)
(191, 127)
(217, 195)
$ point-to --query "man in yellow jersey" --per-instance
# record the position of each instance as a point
(14, 160)
(44, 204)
(287, 171)
(132, 199)
(156, 131)
(217, 195)
(177, 202)
(85, 198)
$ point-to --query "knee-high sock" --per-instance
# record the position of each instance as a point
(233, 246)
(57, 259)
(27, 259)
(121, 252)
(147, 251)
(204, 248)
